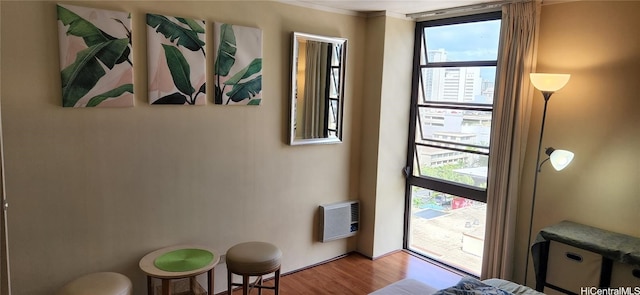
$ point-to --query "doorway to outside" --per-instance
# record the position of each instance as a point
(455, 64)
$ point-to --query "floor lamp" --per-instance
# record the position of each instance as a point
(547, 84)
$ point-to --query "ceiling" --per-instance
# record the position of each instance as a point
(401, 7)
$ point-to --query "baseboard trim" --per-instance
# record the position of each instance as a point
(317, 264)
(387, 254)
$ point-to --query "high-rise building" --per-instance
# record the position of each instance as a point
(433, 76)
(456, 85)
(450, 84)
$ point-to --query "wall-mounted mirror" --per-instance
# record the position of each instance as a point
(317, 88)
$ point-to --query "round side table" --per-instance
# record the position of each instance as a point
(179, 262)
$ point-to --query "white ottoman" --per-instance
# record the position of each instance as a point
(100, 283)
(253, 259)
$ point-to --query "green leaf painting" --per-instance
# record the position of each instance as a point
(195, 26)
(85, 72)
(226, 52)
(179, 69)
(238, 65)
(253, 68)
(246, 90)
(172, 30)
(95, 57)
(177, 60)
(173, 98)
(96, 100)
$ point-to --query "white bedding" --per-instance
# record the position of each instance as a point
(414, 287)
(512, 287)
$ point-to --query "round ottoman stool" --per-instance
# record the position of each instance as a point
(253, 259)
(100, 283)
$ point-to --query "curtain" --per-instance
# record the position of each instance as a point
(315, 89)
(512, 108)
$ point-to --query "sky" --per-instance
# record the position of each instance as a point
(469, 41)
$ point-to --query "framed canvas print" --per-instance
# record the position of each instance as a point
(177, 60)
(96, 65)
(238, 65)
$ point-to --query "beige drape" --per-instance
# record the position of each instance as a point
(315, 89)
(512, 109)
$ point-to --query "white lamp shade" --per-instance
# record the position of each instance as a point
(549, 82)
(560, 159)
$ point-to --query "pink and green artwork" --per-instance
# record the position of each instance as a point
(95, 57)
(238, 65)
(176, 53)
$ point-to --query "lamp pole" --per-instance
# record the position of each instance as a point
(546, 95)
(547, 84)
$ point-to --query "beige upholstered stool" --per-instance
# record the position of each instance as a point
(100, 283)
(253, 259)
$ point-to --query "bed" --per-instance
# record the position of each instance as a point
(466, 286)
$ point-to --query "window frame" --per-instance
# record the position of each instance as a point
(435, 184)
(441, 185)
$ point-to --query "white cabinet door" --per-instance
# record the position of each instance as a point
(625, 275)
(572, 268)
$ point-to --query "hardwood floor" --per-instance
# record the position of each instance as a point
(356, 275)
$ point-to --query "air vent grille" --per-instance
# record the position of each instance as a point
(339, 220)
(355, 212)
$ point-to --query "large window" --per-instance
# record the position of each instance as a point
(451, 115)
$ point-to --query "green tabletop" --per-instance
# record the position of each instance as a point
(183, 260)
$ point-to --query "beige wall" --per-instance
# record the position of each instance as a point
(370, 136)
(394, 127)
(96, 189)
(595, 116)
(388, 73)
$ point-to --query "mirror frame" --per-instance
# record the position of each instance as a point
(294, 71)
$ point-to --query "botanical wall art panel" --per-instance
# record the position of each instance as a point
(95, 57)
(238, 65)
(177, 61)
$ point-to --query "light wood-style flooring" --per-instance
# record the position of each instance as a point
(356, 275)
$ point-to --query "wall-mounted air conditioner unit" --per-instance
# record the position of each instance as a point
(339, 220)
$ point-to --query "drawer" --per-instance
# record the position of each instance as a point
(571, 268)
(625, 275)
